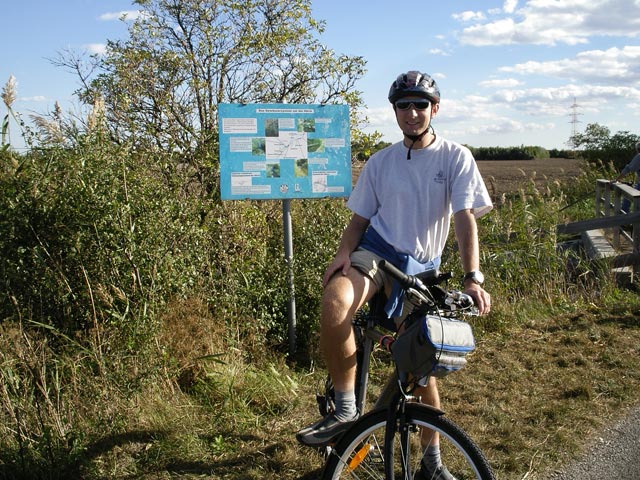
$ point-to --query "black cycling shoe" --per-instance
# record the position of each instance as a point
(321, 433)
(440, 473)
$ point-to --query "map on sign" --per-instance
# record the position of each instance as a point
(280, 151)
(287, 145)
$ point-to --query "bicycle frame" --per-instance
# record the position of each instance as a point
(366, 335)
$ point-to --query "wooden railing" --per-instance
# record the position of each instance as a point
(609, 199)
(623, 228)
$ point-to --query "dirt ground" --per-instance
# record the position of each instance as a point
(508, 176)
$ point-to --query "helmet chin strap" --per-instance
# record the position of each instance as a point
(415, 138)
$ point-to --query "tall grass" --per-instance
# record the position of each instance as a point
(137, 310)
(529, 269)
(99, 245)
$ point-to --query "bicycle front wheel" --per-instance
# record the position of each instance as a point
(359, 454)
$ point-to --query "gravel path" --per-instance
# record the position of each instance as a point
(617, 447)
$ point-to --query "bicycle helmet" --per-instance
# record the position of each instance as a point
(414, 83)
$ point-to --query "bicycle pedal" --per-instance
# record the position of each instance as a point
(325, 406)
(325, 451)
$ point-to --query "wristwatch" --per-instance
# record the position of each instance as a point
(475, 276)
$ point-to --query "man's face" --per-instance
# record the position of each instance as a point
(411, 115)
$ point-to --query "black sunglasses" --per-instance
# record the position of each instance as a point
(417, 104)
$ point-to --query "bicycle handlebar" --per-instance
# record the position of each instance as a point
(451, 298)
(406, 281)
(464, 300)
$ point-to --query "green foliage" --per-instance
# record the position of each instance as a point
(87, 237)
(318, 227)
(598, 145)
(556, 153)
(528, 271)
(161, 85)
(364, 145)
(509, 153)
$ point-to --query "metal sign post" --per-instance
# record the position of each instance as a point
(288, 258)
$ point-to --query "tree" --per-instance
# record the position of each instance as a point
(597, 144)
(161, 86)
(593, 138)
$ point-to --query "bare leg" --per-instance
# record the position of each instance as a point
(342, 297)
(429, 396)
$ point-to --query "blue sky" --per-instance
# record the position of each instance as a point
(509, 71)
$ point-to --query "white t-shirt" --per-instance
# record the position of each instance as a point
(410, 202)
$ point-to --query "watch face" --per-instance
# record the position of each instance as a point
(476, 276)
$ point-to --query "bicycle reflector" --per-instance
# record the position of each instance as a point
(360, 455)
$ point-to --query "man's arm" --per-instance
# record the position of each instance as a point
(350, 240)
(632, 166)
(466, 231)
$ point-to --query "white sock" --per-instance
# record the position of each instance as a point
(431, 458)
(345, 405)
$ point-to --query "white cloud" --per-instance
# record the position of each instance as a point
(501, 83)
(36, 98)
(509, 125)
(514, 115)
(510, 6)
(549, 22)
(556, 100)
(128, 15)
(615, 65)
(383, 120)
(469, 16)
(438, 51)
(96, 48)
(470, 108)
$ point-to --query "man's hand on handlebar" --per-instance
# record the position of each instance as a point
(480, 296)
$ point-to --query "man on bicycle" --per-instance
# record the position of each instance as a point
(402, 206)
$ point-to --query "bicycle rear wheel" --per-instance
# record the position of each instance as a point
(359, 454)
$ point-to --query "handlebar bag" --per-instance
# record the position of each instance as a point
(433, 346)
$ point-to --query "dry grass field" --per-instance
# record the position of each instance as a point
(508, 176)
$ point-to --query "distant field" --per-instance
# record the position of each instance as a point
(505, 176)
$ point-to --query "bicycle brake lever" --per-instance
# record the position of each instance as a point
(460, 301)
(416, 297)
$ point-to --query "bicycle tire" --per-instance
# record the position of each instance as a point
(359, 454)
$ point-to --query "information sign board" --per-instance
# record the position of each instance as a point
(284, 151)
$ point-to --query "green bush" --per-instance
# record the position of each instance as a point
(92, 235)
(509, 153)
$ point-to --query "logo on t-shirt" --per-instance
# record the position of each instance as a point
(440, 177)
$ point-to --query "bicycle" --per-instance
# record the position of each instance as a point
(388, 442)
